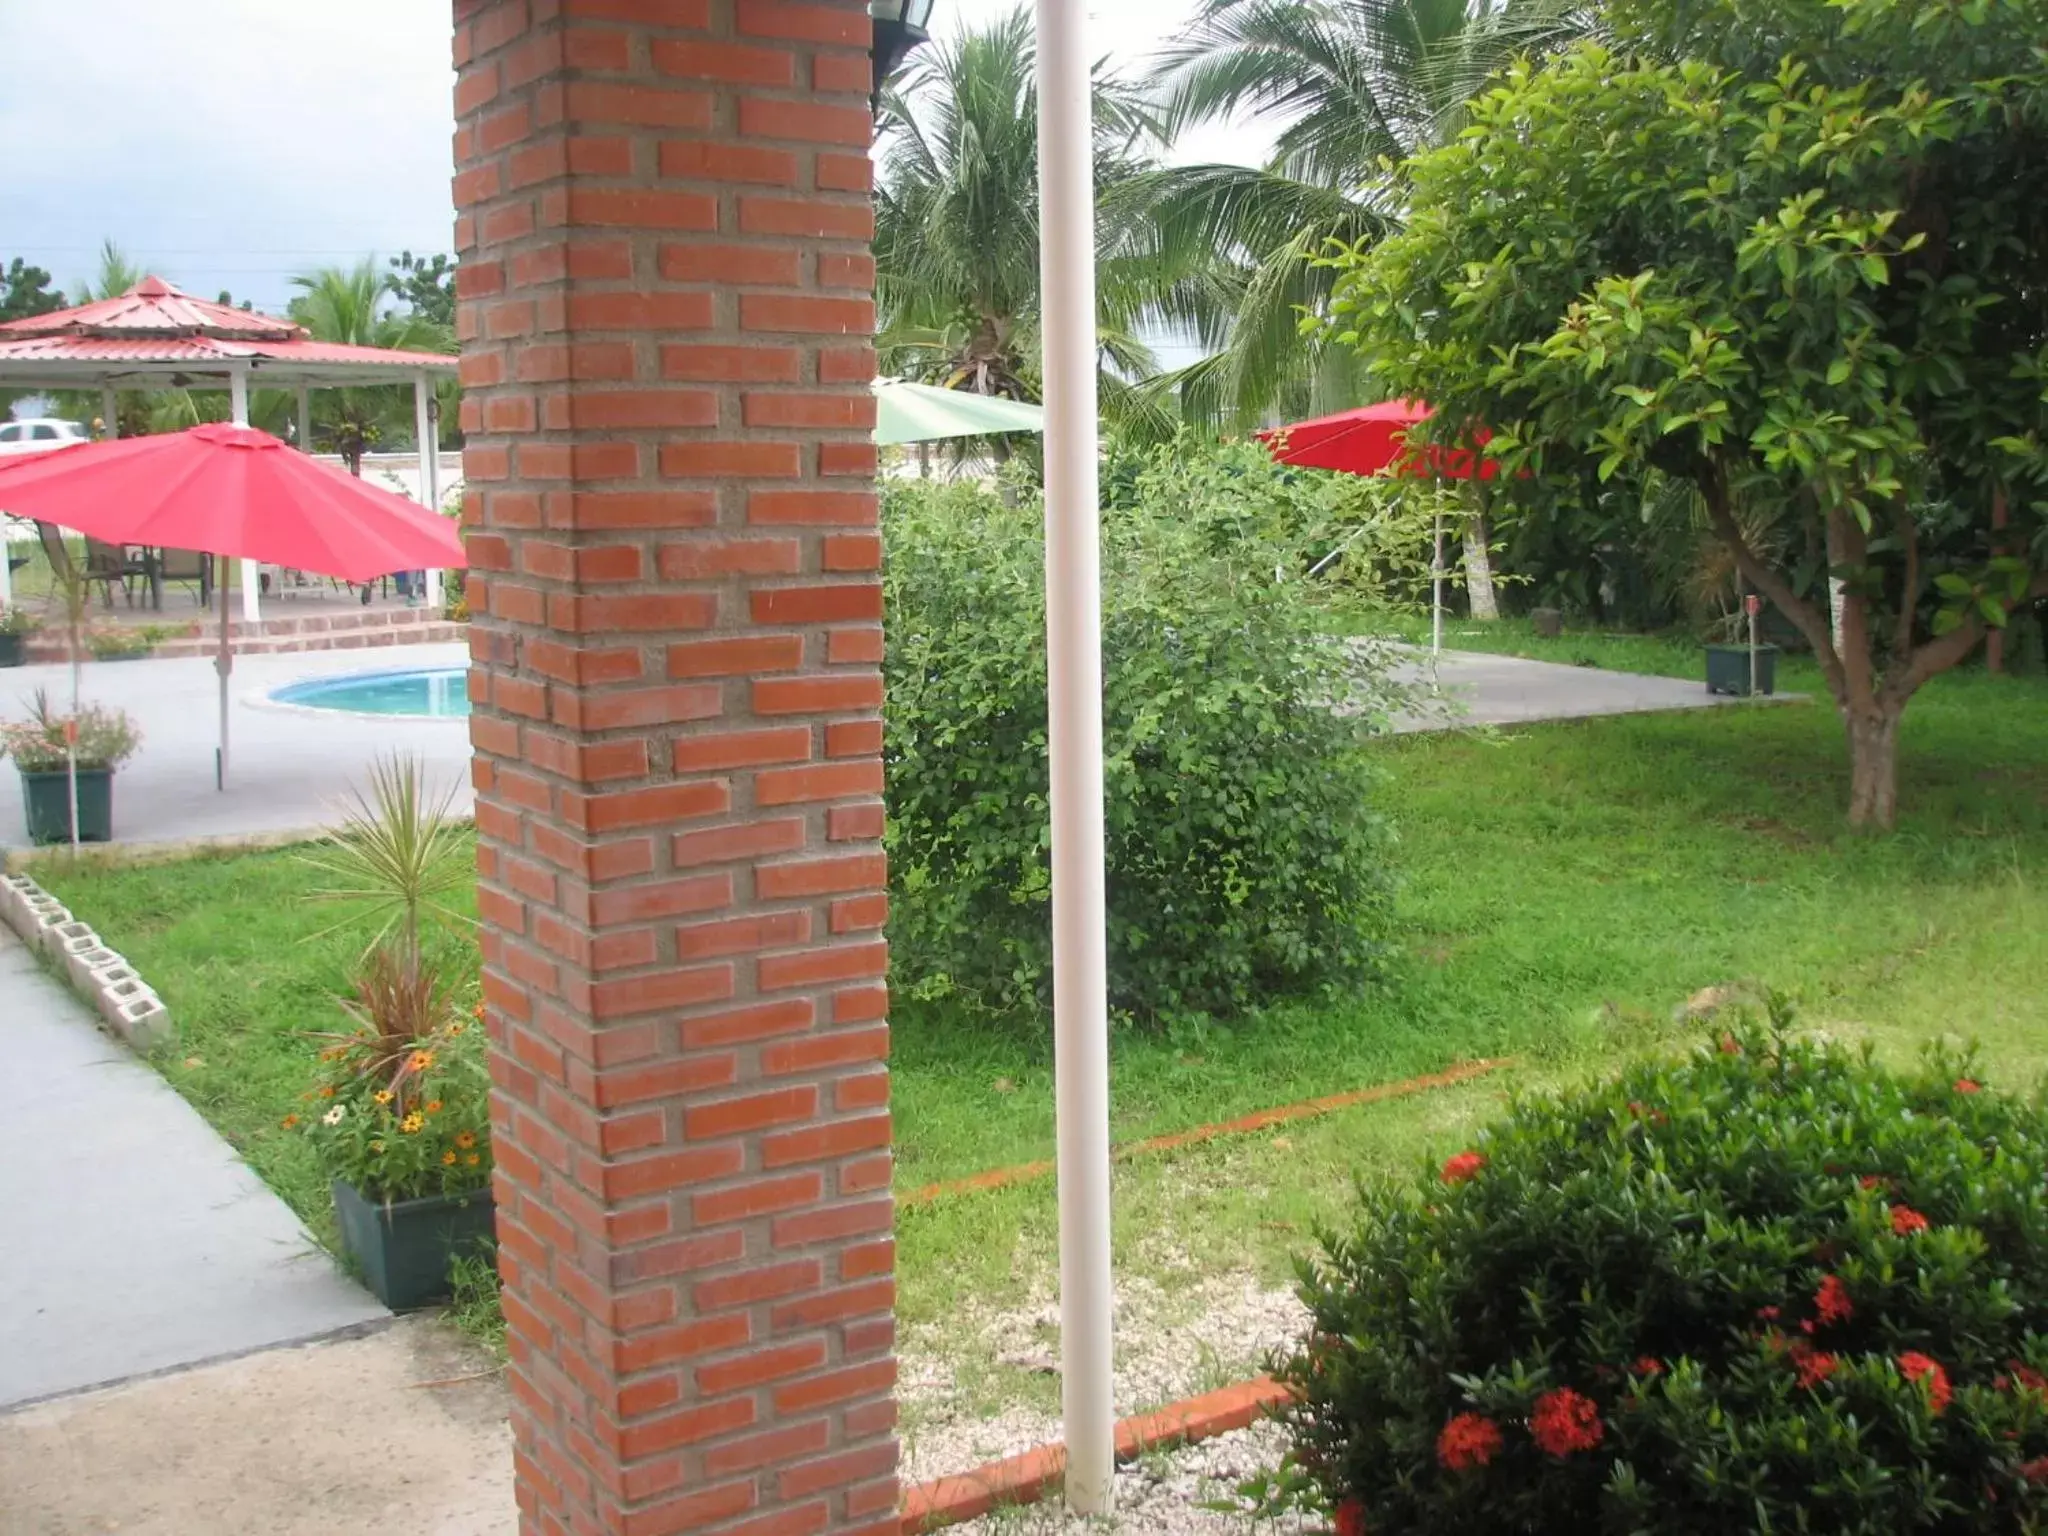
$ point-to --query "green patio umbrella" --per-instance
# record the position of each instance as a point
(920, 413)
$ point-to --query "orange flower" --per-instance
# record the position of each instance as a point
(1968, 1085)
(412, 1122)
(433, 1106)
(1565, 1421)
(419, 1061)
(382, 1095)
(327, 1092)
(447, 1159)
(1916, 1367)
(1906, 1221)
(472, 1160)
(466, 1140)
(1464, 1166)
(1468, 1440)
(289, 1121)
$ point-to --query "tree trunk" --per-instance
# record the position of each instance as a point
(1479, 570)
(1874, 767)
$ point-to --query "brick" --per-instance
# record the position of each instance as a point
(762, 1197)
(644, 408)
(776, 1445)
(822, 604)
(843, 173)
(642, 312)
(749, 1112)
(712, 160)
(824, 781)
(607, 207)
(803, 23)
(841, 73)
(860, 1005)
(844, 1047)
(640, 106)
(671, 1170)
(630, 995)
(768, 1282)
(843, 962)
(848, 645)
(760, 266)
(815, 217)
(741, 749)
(710, 558)
(858, 914)
(644, 611)
(609, 510)
(727, 845)
(665, 1080)
(845, 411)
(658, 899)
(743, 935)
(688, 1427)
(732, 365)
(823, 1142)
(850, 459)
(735, 658)
(837, 1471)
(645, 13)
(760, 1367)
(820, 877)
(730, 63)
(638, 706)
(732, 460)
(818, 695)
(851, 552)
(798, 312)
(647, 807)
(836, 1386)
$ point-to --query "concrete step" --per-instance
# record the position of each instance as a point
(315, 632)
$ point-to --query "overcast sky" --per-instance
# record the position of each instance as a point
(231, 143)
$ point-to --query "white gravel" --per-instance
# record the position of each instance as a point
(1173, 1341)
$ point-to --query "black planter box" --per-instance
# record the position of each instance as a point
(1728, 669)
(405, 1247)
(13, 650)
(47, 799)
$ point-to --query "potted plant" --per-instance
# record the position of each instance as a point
(105, 739)
(16, 625)
(1732, 662)
(401, 1117)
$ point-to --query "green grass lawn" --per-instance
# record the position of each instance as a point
(1566, 887)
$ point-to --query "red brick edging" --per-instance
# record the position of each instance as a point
(1259, 1120)
(1029, 1477)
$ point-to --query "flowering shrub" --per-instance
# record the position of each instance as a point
(1774, 1287)
(402, 1106)
(107, 738)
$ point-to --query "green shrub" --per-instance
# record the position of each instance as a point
(1774, 1288)
(1244, 856)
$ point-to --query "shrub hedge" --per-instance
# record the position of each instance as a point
(1245, 856)
(1774, 1288)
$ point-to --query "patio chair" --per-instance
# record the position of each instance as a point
(109, 563)
(189, 568)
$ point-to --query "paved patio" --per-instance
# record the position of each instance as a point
(291, 769)
(1484, 689)
(137, 1241)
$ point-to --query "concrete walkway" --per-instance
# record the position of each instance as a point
(291, 768)
(1484, 689)
(136, 1241)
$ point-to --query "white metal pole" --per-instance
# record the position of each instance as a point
(305, 419)
(252, 582)
(1073, 612)
(1436, 591)
(110, 411)
(430, 468)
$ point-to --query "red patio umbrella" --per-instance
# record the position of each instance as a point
(1372, 438)
(234, 492)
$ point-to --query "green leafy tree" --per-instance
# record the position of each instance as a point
(26, 291)
(352, 305)
(1803, 270)
(427, 286)
(956, 219)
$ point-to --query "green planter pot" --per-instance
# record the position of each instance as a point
(13, 650)
(47, 799)
(404, 1247)
(1728, 669)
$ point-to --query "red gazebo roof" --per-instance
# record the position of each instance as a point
(155, 329)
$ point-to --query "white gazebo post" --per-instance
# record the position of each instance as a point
(430, 468)
(252, 581)
(305, 444)
(110, 411)
(1073, 612)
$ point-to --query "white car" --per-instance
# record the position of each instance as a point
(39, 434)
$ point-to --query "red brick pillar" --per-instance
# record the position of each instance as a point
(666, 310)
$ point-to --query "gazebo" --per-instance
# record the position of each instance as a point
(156, 336)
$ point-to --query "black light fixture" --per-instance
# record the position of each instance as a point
(900, 25)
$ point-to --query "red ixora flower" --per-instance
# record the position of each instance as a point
(1730, 1046)
(1873, 1181)
(1468, 1440)
(1465, 1165)
(1906, 1220)
(1968, 1085)
(1649, 1365)
(2035, 1471)
(1917, 1367)
(1565, 1421)
(2025, 1377)
(1813, 1365)
(1767, 1314)
(1832, 1300)
(1351, 1518)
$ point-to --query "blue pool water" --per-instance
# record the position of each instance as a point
(431, 692)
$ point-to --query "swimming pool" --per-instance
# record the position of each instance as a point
(440, 693)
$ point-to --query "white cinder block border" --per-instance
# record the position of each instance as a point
(124, 1002)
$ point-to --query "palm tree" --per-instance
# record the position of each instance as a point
(956, 219)
(349, 305)
(1360, 86)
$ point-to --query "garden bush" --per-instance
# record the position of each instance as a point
(1245, 856)
(1774, 1288)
